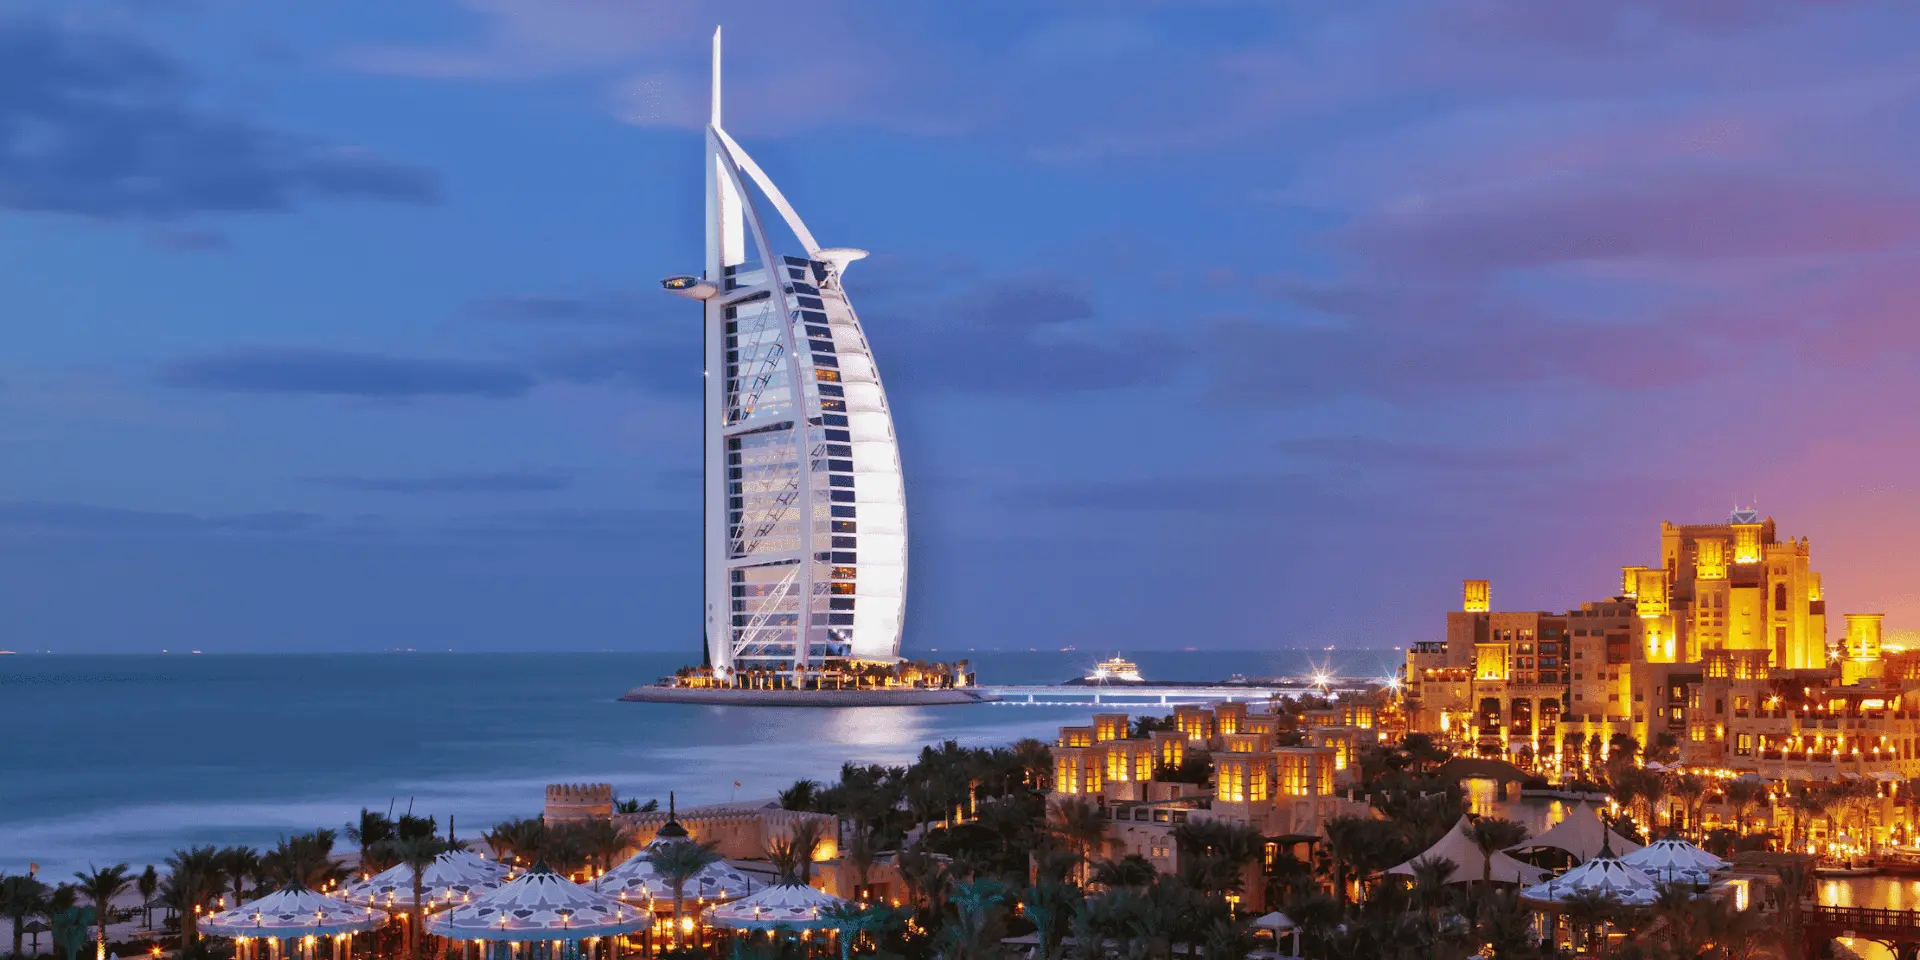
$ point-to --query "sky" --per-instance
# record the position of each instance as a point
(1205, 324)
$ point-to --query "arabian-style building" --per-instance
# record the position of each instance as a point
(805, 511)
(1720, 650)
(1284, 774)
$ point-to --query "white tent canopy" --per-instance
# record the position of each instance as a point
(1674, 859)
(538, 905)
(790, 905)
(1581, 834)
(1607, 875)
(1458, 848)
(292, 912)
(1275, 921)
(453, 877)
(636, 881)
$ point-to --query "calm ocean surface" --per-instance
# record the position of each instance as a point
(123, 758)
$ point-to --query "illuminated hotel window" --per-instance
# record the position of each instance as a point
(1257, 783)
(1143, 762)
(1293, 775)
(1233, 782)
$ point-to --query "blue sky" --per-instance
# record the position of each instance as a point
(1206, 324)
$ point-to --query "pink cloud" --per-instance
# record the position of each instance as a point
(1690, 213)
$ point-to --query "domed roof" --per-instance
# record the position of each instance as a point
(1675, 859)
(791, 905)
(293, 912)
(1605, 874)
(456, 876)
(538, 905)
(636, 881)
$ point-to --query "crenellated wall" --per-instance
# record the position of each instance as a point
(579, 801)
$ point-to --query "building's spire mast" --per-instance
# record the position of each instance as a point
(715, 121)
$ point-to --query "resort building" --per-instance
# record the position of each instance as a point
(1717, 658)
(805, 517)
(1285, 774)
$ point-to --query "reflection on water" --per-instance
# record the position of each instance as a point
(1536, 815)
(1891, 893)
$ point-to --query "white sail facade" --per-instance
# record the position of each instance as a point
(805, 524)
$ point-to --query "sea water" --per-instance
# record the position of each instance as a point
(107, 759)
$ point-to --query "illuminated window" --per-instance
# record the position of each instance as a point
(1233, 782)
(1293, 775)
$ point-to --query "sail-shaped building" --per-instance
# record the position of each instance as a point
(805, 509)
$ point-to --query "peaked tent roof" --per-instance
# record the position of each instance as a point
(538, 905)
(1675, 859)
(292, 912)
(791, 905)
(456, 876)
(1605, 874)
(1582, 834)
(635, 880)
(1458, 848)
(1275, 921)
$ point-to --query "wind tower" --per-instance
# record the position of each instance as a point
(804, 505)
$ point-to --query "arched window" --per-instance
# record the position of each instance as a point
(1780, 596)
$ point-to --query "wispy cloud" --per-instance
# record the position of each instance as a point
(296, 370)
(504, 481)
(101, 125)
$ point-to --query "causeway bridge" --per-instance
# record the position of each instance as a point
(1133, 694)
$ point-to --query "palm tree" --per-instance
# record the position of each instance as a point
(1078, 823)
(1492, 835)
(371, 831)
(1132, 870)
(1805, 806)
(1036, 762)
(848, 921)
(785, 862)
(976, 933)
(808, 837)
(148, 885)
(1738, 934)
(417, 853)
(1050, 905)
(1691, 791)
(1743, 796)
(1430, 878)
(859, 854)
(100, 887)
(563, 847)
(193, 878)
(602, 840)
(1345, 836)
(803, 795)
(519, 839)
(1505, 923)
(239, 864)
(677, 863)
(304, 859)
(22, 897)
